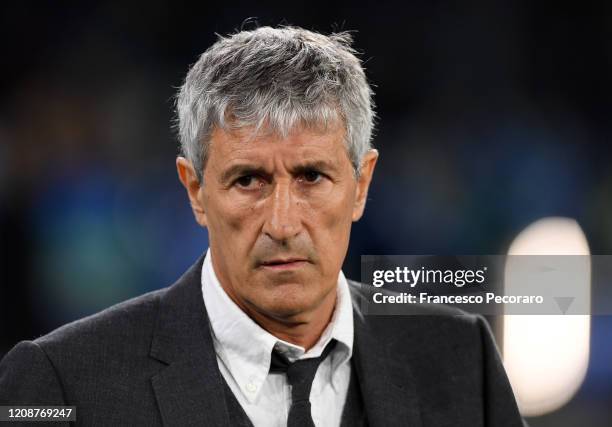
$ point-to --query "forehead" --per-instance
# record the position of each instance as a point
(300, 143)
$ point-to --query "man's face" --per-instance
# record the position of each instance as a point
(279, 214)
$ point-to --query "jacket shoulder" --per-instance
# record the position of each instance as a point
(129, 321)
(96, 352)
(362, 294)
(27, 377)
(449, 352)
(437, 324)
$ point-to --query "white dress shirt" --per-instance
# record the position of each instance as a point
(244, 350)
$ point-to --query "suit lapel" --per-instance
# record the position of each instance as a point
(189, 390)
(387, 386)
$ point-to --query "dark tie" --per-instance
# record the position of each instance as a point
(299, 375)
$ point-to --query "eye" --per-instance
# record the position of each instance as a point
(311, 176)
(248, 182)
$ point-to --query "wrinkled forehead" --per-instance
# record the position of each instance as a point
(305, 140)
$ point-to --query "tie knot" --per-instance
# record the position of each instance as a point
(300, 373)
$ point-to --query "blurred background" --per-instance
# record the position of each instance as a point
(492, 115)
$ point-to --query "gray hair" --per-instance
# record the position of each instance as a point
(275, 78)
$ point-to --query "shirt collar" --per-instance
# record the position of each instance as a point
(244, 347)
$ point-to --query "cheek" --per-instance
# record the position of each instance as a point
(337, 211)
(233, 223)
(330, 225)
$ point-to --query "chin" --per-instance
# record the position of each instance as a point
(291, 301)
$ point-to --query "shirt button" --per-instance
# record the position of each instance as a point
(251, 388)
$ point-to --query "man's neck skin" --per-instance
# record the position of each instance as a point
(303, 329)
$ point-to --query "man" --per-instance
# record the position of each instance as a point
(265, 330)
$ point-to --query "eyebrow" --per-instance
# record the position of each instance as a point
(320, 165)
(240, 169)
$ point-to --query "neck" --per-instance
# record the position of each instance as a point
(303, 329)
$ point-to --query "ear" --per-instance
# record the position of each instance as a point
(363, 183)
(195, 190)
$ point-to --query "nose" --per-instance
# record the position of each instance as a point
(282, 216)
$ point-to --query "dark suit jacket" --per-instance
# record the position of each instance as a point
(150, 361)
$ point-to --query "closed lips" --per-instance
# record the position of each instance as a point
(282, 261)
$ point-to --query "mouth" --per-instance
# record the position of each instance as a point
(278, 264)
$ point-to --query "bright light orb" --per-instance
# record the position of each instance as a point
(546, 356)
